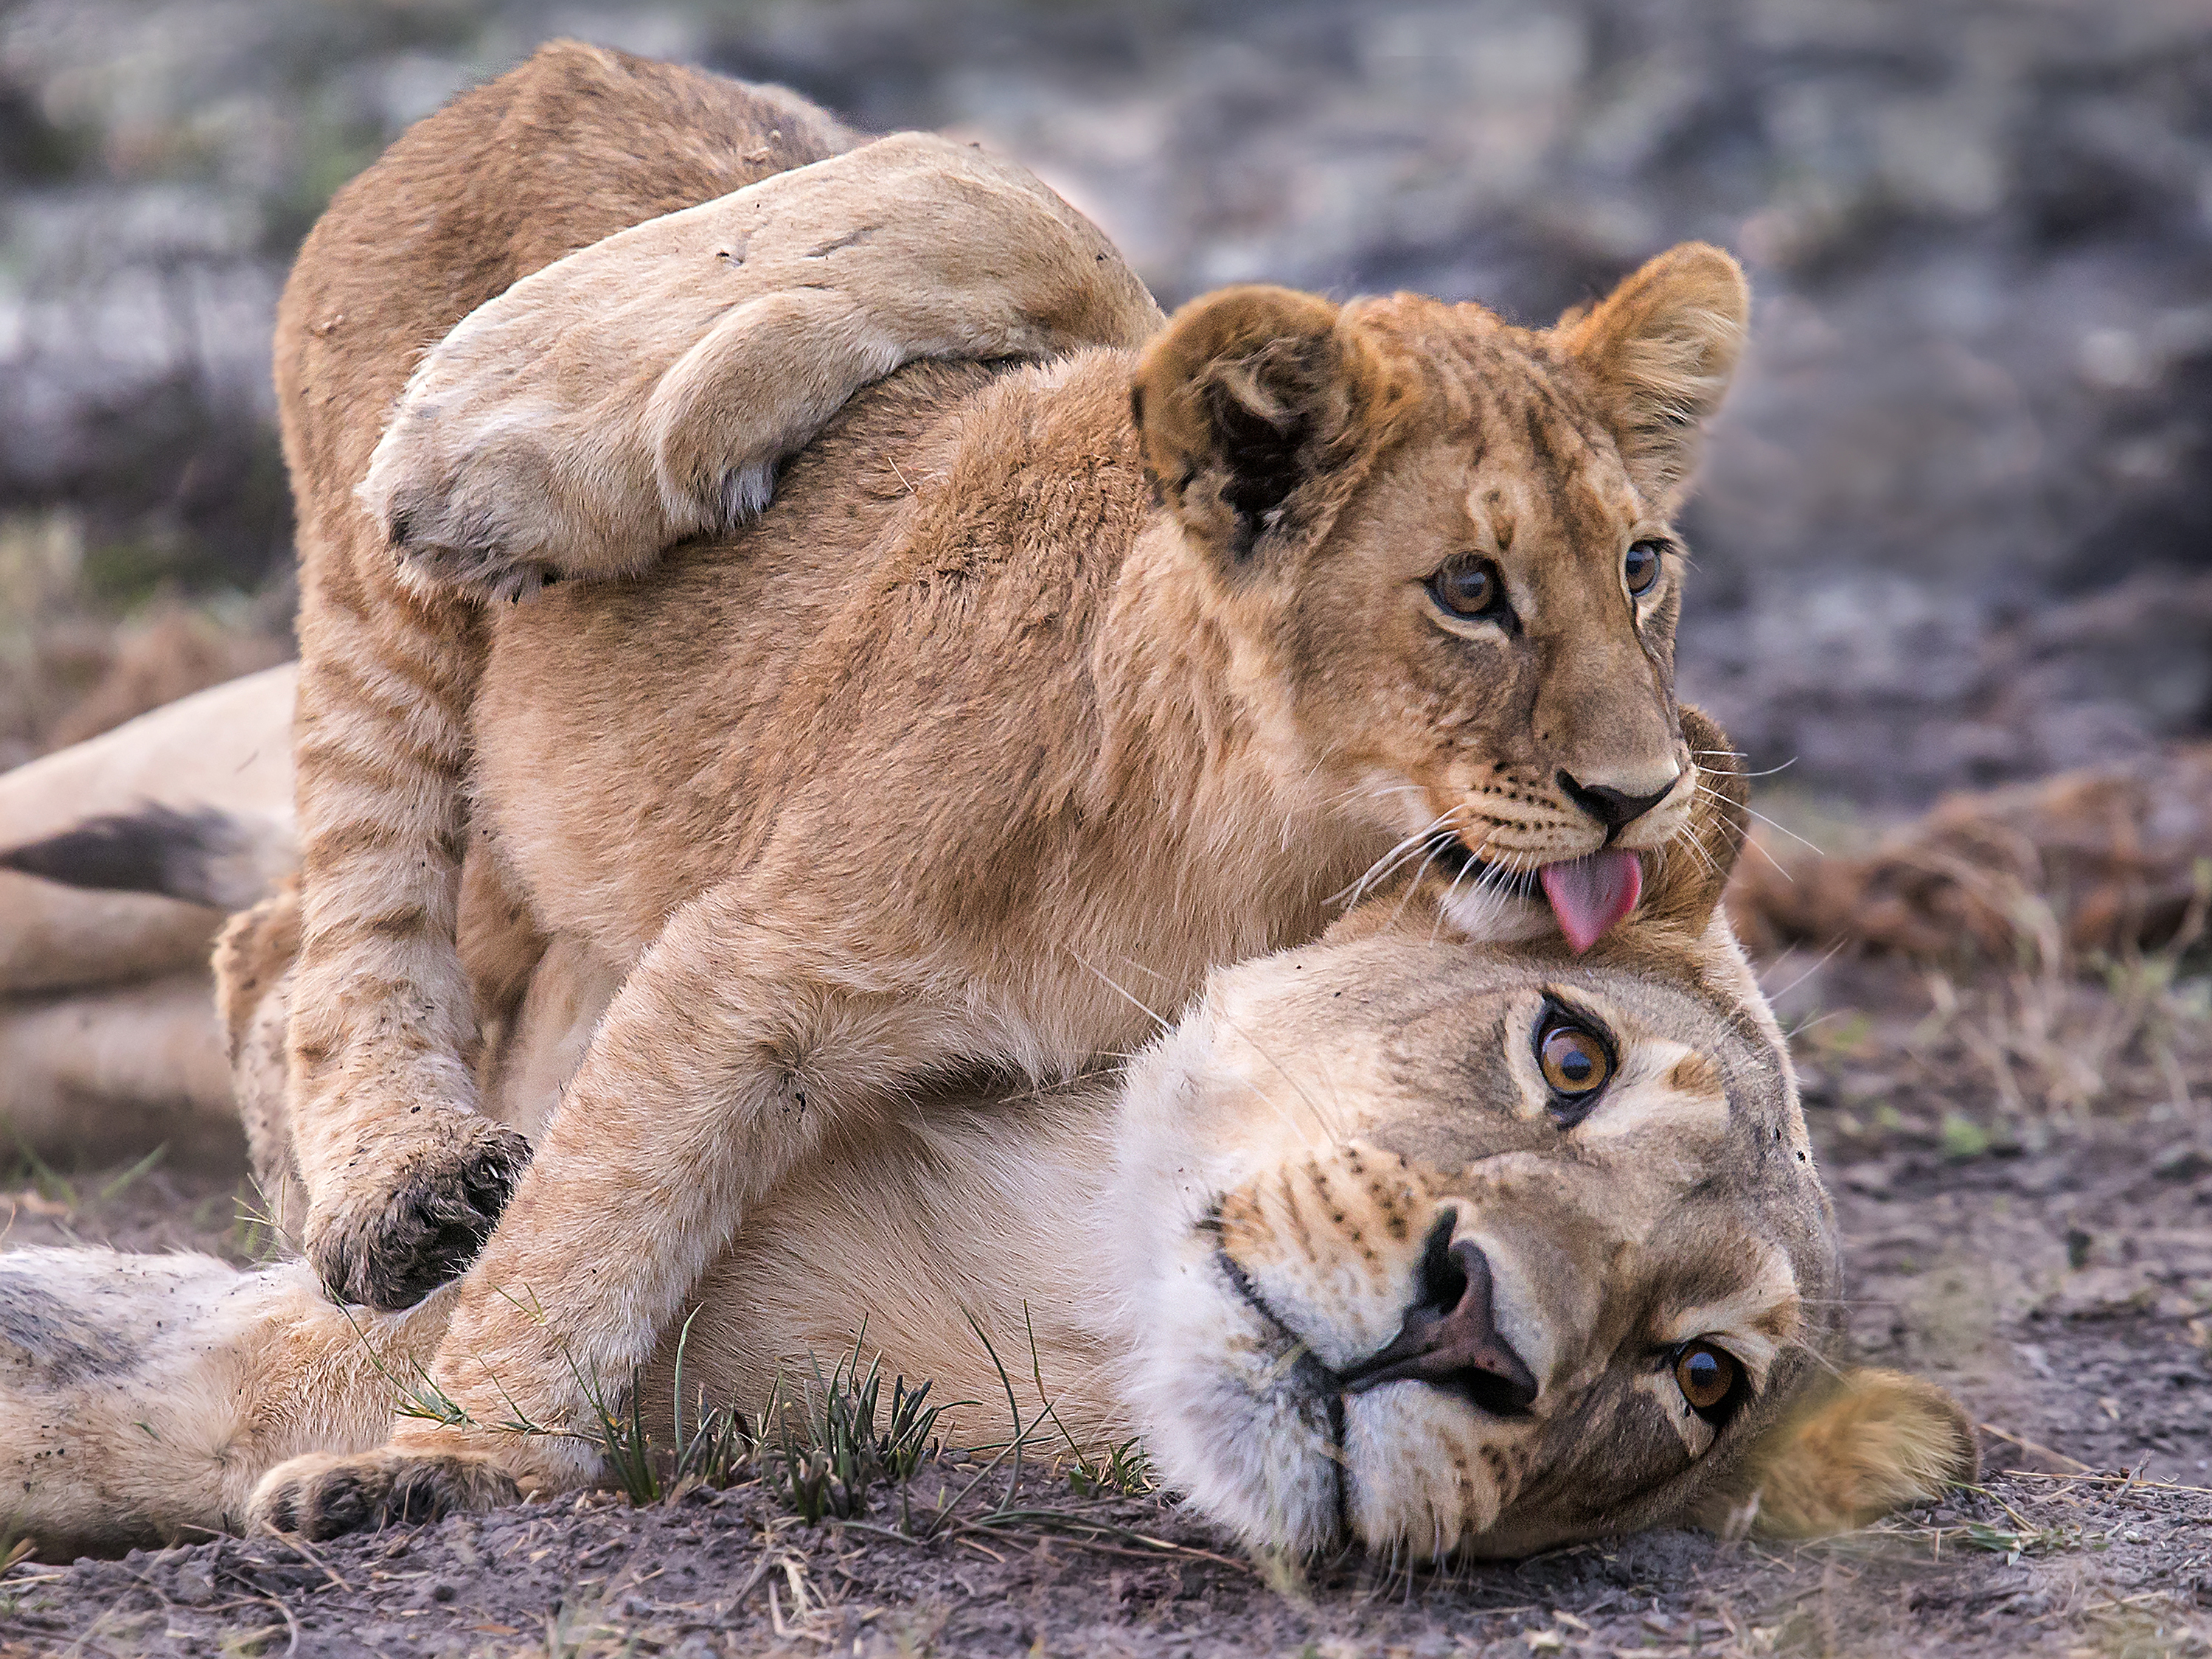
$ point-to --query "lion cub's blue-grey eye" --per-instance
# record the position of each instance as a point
(1641, 568)
(1470, 587)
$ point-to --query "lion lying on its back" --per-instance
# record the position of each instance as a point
(1038, 692)
(1390, 1240)
(1408, 588)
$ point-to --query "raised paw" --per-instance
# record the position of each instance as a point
(391, 1244)
(324, 1494)
(468, 560)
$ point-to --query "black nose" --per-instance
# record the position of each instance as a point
(1612, 808)
(1448, 1340)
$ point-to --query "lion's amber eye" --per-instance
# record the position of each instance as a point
(1641, 568)
(1574, 1062)
(1707, 1376)
(1470, 587)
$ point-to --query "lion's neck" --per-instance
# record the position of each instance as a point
(1197, 732)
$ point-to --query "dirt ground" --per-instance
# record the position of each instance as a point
(2022, 1166)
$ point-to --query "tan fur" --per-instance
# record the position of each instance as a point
(642, 391)
(1198, 1246)
(107, 1072)
(107, 1043)
(967, 748)
(224, 749)
(1866, 1444)
(687, 369)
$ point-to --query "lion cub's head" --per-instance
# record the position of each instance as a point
(1445, 543)
(1438, 1248)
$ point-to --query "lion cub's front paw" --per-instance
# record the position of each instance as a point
(324, 1494)
(394, 1235)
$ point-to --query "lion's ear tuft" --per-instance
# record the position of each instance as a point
(1661, 347)
(1870, 1443)
(1248, 397)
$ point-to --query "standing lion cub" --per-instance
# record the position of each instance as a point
(773, 275)
(1038, 692)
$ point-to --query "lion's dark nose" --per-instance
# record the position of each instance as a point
(1449, 1340)
(1616, 809)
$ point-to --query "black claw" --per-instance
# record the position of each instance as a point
(420, 1494)
(285, 1511)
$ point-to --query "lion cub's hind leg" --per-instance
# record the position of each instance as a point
(643, 390)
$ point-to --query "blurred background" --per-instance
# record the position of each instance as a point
(1957, 524)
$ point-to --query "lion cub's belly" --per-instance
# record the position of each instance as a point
(622, 738)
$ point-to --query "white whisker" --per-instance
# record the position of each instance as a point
(1390, 861)
(1826, 957)
(1161, 1020)
(1488, 876)
(1436, 849)
(1770, 822)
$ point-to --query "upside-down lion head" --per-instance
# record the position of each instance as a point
(1439, 1248)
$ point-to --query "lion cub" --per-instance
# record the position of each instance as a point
(1039, 691)
(630, 394)
(970, 751)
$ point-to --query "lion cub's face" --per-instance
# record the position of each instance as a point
(1485, 641)
(1446, 544)
(1440, 1249)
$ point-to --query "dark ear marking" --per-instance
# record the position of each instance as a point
(1262, 453)
(1247, 397)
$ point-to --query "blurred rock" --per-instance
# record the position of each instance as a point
(1980, 399)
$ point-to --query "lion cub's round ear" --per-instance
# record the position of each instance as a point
(1250, 398)
(1869, 1444)
(1661, 347)
(1685, 883)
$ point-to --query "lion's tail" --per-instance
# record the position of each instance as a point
(225, 858)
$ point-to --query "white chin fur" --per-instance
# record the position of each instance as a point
(1224, 1421)
(1498, 918)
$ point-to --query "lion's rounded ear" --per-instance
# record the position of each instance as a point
(1250, 396)
(1661, 347)
(1869, 1444)
(1687, 884)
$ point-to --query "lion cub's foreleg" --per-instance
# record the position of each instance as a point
(643, 390)
(716, 1070)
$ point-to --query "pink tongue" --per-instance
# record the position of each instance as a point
(1589, 895)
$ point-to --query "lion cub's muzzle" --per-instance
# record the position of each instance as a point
(1450, 1339)
(1614, 809)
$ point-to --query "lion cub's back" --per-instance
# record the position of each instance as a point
(908, 622)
